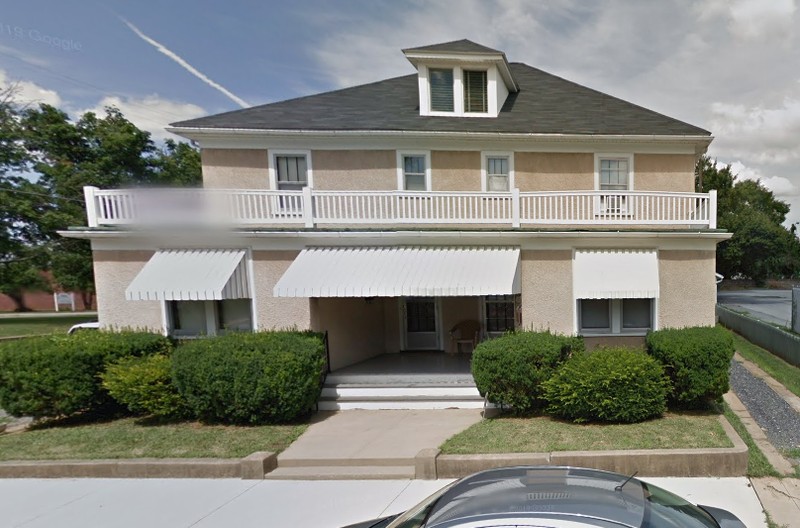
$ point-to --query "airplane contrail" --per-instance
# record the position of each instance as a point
(188, 67)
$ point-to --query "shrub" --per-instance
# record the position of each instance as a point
(610, 385)
(144, 385)
(696, 360)
(510, 369)
(264, 377)
(59, 375)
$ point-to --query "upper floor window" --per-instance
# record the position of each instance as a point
(614, 174)
(497, 169)
(291, 172)
(441, 89)
(413, 171)
(476, 97)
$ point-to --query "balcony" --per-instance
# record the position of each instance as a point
(312, 208)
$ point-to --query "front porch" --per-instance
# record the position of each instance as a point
(403, 380)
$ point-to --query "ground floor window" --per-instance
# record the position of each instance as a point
(199, 318)
(501, 313)
(615, 316)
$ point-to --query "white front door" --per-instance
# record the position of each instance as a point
(421, 323)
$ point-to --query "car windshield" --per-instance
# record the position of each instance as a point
(666, 510)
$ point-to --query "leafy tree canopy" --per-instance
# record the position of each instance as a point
(761, 247)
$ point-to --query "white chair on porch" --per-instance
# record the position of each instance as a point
(465, 333)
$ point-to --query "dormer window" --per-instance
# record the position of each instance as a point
(441, 89)
(475, 92)
(461, 79)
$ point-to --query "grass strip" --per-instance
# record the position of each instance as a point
(788, 375)
(544, 434)
(134, 438)
(757, 463)
(14, 326)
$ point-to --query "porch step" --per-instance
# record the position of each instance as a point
(393, 403)
(377, 391)
(342, 473)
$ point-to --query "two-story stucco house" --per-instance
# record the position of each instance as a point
(473, 193)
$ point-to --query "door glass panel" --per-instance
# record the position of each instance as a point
(420, 315)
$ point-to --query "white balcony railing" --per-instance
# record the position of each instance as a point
(311, 207)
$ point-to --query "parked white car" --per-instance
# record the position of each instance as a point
(91, 325)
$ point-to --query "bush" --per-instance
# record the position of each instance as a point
(511, 368)
(696, 360)
(144, 385)
(59, 375)
(250, 378)
(609, 385)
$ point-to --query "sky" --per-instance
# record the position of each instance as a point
(729, 66)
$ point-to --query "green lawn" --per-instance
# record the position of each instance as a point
(543, 434)
(757, 463)
(128, 438)
(27, 326)
(788, 375)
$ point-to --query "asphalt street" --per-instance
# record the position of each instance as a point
(175, 503)
(771, 306)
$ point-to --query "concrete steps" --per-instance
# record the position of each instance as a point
(343, 396)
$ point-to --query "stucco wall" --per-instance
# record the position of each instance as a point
(235, 168)
(455, 171)
(546, 278)
(664, 172)
(688, 289)
(277, 312)
(113, 272)
(355, 328)
(541, 171)
(368, 170)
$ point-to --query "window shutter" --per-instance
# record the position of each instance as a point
(441, 90)
(475, 96)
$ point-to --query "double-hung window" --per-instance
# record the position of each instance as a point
(613, 177)
(441, 82)
(291, 172)
(500, 313)
(497, 173)
(414, 172)
(476, 97)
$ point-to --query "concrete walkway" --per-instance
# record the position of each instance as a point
(781, 498)
(369, 444)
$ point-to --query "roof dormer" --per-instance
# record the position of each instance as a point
(461, 78)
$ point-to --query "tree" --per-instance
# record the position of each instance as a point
(761, 247)
(20, 262)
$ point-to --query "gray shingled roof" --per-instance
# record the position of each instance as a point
(456, 46)
(545, 104)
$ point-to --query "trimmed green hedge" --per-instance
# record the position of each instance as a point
(696, 360)
(609, 385)
(511, 369)
(265, 377)
(59, 375)
(144, 385)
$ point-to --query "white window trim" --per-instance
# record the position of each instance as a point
(273, 172)
(401, 169)
(616, 329)
(598, 156)
(485, 168)
(492, 78)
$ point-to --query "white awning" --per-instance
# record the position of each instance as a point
(401, 271)
(191, 275)
(615, 274)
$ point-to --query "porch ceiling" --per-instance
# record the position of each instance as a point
(401, 272)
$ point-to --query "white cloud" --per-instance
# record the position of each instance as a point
(759, 19)
(759, 133)
(779, 185)
(29, 93)
(151, 113)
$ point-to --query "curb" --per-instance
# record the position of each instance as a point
(254, 466)
(709, 462)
